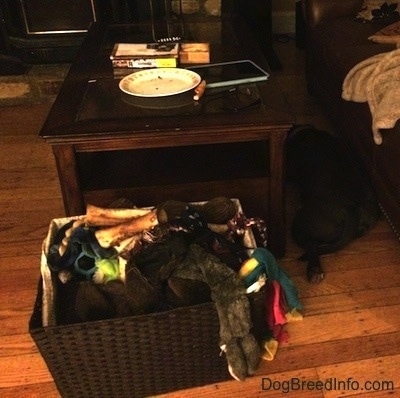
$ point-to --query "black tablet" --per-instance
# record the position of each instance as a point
(230, 73)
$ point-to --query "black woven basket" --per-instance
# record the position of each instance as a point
(137, 356)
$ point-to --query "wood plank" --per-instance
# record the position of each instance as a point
(42, 390)
(21, 300)
(275, 383)
(29, 151)
(30, 227)
(343, 263)
(30, 118)
(377, 394)
(30, 247)
(371, 244)
(349, 281)
(23, 370)
(18, 344)
(344, 325)
(272, 385)
(291, 357)
(22, 278)
(381, 374)
(353, 300)
(15, 322)
(38, 182)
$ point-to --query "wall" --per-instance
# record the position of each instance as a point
(208, 7)
(283, 16)
(283, 12)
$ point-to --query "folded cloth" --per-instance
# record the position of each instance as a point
(376, 80)
(388, 35)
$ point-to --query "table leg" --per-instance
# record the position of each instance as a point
(69, 179)
(277, 201)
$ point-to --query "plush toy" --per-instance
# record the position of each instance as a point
(282, 303)
(177, 258)
(189, 254)
(228, 293)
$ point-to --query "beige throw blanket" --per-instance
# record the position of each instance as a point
(376, 80)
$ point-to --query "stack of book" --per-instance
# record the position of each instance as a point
(128, 56)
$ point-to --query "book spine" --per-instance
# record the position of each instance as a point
(145, 63)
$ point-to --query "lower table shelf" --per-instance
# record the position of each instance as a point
(172, 165)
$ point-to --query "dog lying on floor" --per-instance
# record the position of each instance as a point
(337, 201)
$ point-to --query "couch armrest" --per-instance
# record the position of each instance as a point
(316, 11)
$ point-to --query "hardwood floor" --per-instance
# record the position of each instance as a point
(351, 327)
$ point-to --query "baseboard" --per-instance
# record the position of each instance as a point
(283, 22)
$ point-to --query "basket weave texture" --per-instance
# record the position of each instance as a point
(136, 356)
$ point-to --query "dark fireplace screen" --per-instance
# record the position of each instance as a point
(57, 16)
(51, 31)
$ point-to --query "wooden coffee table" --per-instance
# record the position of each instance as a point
(106, 147)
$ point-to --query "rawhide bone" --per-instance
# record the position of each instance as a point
(126, 223)
(113, 235)
(99, 216)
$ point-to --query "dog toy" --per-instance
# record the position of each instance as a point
(178, 259)
(76, 248)
(227, 291)
(281, 295)
(263, 261)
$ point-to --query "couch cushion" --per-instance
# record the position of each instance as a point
(348, 44)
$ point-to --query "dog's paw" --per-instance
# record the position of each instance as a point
(315, 274)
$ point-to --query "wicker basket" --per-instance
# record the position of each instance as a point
(136, 356)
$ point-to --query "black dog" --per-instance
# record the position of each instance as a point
(337, 201)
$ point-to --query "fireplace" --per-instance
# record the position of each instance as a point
(51, 31)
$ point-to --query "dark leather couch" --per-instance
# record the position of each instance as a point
(335, 42)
